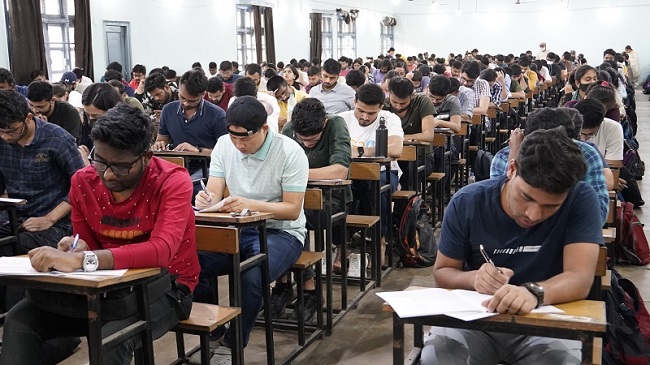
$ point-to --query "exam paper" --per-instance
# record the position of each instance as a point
(215, 208)
(21, 266)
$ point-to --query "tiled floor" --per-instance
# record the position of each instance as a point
(364, 335)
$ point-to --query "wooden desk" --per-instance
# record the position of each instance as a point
(532, 324)
(203, 157)
(415, 168)
(10, 206)
(93, 288)
(256, 220)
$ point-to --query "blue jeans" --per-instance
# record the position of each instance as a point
(361, 192)
(283, 251)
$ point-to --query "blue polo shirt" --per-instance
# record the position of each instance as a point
(202, 130)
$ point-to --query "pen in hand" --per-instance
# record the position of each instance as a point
(488, 259)
(74, 243)
(205, 190)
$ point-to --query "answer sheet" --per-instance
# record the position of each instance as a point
(21, 265)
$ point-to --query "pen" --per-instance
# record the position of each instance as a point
(488, 259)
(74, 243)
(205, 190)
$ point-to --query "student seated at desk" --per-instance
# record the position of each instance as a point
(265, 172)
(539, 225)
(132, 210)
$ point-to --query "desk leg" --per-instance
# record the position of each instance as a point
(587, 349)
(398, 340)
(145, 336)
(94, 329)
(234, 292)
(376, 210)
(266, 295)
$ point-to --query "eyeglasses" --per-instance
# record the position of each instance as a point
(466, 81)
(118, 170)
(188, 101)
(14, 131)
(315, 139)
(589, 135)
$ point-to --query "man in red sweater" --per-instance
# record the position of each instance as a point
(130, 210)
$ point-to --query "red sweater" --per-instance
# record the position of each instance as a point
(154, 227)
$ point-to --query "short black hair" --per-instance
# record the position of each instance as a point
(245, 86)
(197, 64)
(308, 117)
(195, 82)
(115, 66)
(214, 84)
(416, 76)
(36, 73)
(550, 161)
(13, 108)
(274, 83)
(550, 118)
(609, 51)
(524, 62)
(212, 64)
(112, 75)
(457, 64)
(439, 85)
(154, 81)
(39, 91)
(59, 89)
(593, 112)
(253, 68)
(386, 63)
(235, 64)
(118, 85)
(100, 95)
(439, 69)
(489, 75)
(604, 94)
(139, 69)
(269, 72)
(370, 94)
(79, 72)
(124, 128)
(225, 66)
(472, 69)
(313, 71)
(576, 119)
(170, 74)
(454, 85)
(516, 70)
(355, 78)
(401, 87)
(332, 66)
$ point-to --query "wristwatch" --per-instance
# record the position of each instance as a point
(90, 262)
(537, 290)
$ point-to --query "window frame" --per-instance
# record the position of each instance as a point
(65, 24)
(346, 35)
(387, 36)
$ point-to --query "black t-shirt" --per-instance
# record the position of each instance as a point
(67, 117)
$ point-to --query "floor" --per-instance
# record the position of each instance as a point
(364, 335)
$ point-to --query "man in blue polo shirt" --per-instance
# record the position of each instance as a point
(190, 123)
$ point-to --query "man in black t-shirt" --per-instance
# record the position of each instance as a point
(42, 103)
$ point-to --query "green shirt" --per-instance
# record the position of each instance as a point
(333, 147)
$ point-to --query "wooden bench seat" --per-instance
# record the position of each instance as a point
(307, 259)
(403, 194)
(361, 221)
(436, 176)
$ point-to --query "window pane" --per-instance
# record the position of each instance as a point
(52, 7)
(71, 34)
(55, 33)
(70, 6)
(58, 59)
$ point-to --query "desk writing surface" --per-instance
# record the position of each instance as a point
(371, 159)
(89, 281)
(328, 182)
(203, 153)
(226, 218)
(412, 142)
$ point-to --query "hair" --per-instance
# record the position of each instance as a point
(124, 128)
(197, 65)
(489, 75)
(371, 94)
(355, 78)
(212, 64)
(550, 161)
(439, 69)
(118, 85)
(59, 89)
(313, 71)
(550, 118)
(332, 66)
(390, 74)
(245, 86)
(457, 64)
(214, 84)
(157, 70)
(533, 67)
(115, 66)
(604, 94)
(386, 63)
(225, 66)
(499, 58)
(269, 72)
(253, 68)
(170, 74)
(516, 70)
(593, 112)
(551, 55)
(609, 51)
(36, 73)
(424, 69)
(139, 69)
(154, 81)
(308, 117)
(235, 65)
(195, 82)
(401, 87)
(524, 62)
(439, 85)
(416, 76)
(101, 95)
(13, 108)
(279, 65)
(275, 82)
(399, 64)
(576, 120)
(295, 73)
(112, 75)
(454, 85)
(472, 69)
(79, 72)
(39, 91)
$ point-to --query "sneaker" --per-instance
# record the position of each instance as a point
(354, 270)
(311, 301)
(222, 356)
(196, 357)
(281, 295)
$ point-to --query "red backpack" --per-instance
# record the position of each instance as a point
(631, 242)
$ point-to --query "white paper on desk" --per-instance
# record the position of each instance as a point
(12, 201)
(22, 266)
(215, 208)
(324, 180)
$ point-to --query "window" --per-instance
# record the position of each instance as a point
(347, 39)
(246, 47)
(58, 33)
(328, 47)
(387, 38)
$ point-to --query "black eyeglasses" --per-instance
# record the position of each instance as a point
(14, 131)
(118, 170)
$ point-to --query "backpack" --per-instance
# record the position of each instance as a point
(416, 244)
(631, 242)
(632, 160)
(482, 164)
(627, 338)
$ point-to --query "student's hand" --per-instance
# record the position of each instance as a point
(83, 151)
(186, 147)
(41, 117)
(159, 146)
(236, 204)
(65, 245)
(48, 258)
(37, 224)
(204, 200)
(501, 78)
(516, 137)
(488, 279)
(622, 184)
(512, 300)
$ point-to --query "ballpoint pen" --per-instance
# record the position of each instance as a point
(205, 190)
(74, 243)
(488, 259)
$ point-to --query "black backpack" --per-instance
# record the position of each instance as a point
(415, 241)
(482, 164)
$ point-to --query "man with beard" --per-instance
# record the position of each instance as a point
(336, 97)
(219, 93)
(42, 103)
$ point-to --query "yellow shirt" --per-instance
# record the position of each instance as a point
(298, 94)
(532, 80)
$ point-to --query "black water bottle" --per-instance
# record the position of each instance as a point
(381, 139)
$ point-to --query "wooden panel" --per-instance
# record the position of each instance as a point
(463, 129)
(403, 194)
(408, 153)
(492, 112)
(439, 140)
(361, 221)
(217, 239)
(505, 106)
(612, 212)
(364, 171)
(435, 176)
(476, 119)
(206, 317)
(313, 199)
(614, 163)
(601, 266)
(307, 259)
(176, 160)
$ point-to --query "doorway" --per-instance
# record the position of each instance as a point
(118, 46)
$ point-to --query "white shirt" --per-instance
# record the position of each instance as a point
(609, 140)
(272, 117)
(365, 136)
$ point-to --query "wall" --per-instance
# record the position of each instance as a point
(4, 48)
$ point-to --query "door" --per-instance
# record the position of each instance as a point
(118, 47)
